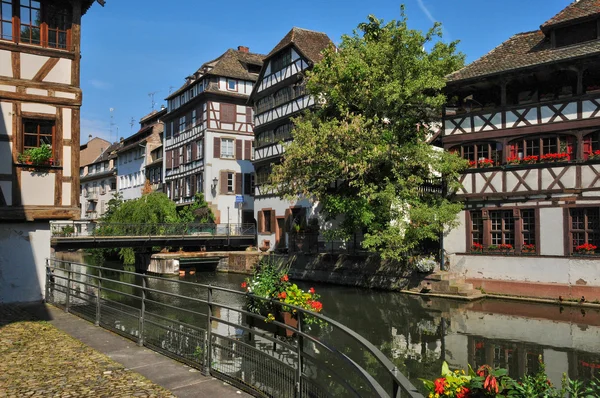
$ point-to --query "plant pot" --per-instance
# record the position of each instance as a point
(283, 317)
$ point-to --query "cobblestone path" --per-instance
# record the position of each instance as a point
(36, 359)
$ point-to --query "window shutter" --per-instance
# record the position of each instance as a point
(247, 150)
(512, 150)
(223, 182)
(238, 183)
(288, 220)
(238, 149)
(194, 150)
(193, 185)
(587, 146)
(247, 183)
(249, 115)
(273, 221)
(261, 221)
(227, 113)
(185, 159)
(570, 146)
(217, 147)
(169, 159)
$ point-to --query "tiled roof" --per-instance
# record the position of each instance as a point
(232, 63)
(578, 9)
(86, 4)
(522, 51)
(108, 153)
(309, 42)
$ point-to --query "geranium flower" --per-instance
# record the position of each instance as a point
(463, 393)
(311, 290)
(316, 305)
(440, 384)
(285, 278)
(282, 295)
(244, 285)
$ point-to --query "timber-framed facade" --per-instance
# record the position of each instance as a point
(278, 96)
(527, 118)
(209, 139)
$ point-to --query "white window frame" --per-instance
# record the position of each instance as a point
(227, 148)
(200, 149)
(230, 182)
(229, 81)
(188, 152)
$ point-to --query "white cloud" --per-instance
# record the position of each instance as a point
(100, 85)
(429, 16)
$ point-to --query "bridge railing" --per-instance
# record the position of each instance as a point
(211, 328)
(69, 229)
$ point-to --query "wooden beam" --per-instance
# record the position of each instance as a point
(58, 155)
(76, 41)
(43, 99)
(67, 88)
(46, 52)
(16, 64)
(75, 133)
(31, 213)
(17, 147)
(45, 69)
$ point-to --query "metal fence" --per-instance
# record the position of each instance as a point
(211, 328)
(67, 229)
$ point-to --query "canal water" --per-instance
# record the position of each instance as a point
(420, 333)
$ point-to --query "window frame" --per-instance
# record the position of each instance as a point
(224, 154)
(230, 183)
(523, 219)
(586, 231)
(39, 121)
(266, 220)
(228, 85)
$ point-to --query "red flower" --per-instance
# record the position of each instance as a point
(244, 285)
(285, 278)
(463, 393)
(316, 305)
(440, 384)
(311, 290)
(491, 384)
(282, 295)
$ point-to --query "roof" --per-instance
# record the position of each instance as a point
(154, 114)
(579, 9)
(135, 139)
(108, 153)
(86, 4)
(521, 51)
(309, 42)
(83, 146)
(232, 64)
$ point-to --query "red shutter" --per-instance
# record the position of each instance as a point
(288, 220)
(238, 183)
(261, 221)
(273, 221)
(570, 139)
(249, 115)
(238, 149)
(194, 150)
(169, 160)
(587, 146)
(217, 148)
(185, 159)
(223, 183)
(247, 150)
(228, 113)
(513, 150)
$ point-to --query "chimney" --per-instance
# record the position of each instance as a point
(243, 49)
(89, 138)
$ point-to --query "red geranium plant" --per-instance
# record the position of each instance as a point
(476, 247)
(586, 248)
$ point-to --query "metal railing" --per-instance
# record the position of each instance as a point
(61, 229)
(212, 329)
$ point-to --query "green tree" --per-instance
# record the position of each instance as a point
(363, 151)
(197, 212)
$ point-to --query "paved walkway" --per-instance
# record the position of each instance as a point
(39, 358)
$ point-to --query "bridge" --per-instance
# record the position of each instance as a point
(88, 234)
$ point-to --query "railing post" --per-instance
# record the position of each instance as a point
(47, 280)
(142, 313)
(208, 353)
(299, 350)
(98, 295)
(67, 304)
(396, 387)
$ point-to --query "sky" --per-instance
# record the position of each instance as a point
(131, 48)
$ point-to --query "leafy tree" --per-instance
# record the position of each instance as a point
(363, 151)
(112, 205)
(197, 212)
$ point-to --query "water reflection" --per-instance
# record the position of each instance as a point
(418, 334)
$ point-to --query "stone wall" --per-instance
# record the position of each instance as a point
(368, 271)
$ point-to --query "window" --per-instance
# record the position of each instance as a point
(200, 149)
(585, 226)
(528, 226)
(540, 146)
(103, 187)
(264, 104)
(44, 24)
(475, 153)
(591, 144)
(249, 184)
(282, 96)
(230, 183)
(193, 118)
(267, 227)
(188, 152)
(281, 60)
(188, 187)
(113, 185)
(262, 175)
(180, 155)
(476, 228)
(199, 183)
(37, 132)
(227, 150)
(231, 85)
(265, 138)
(576, 33)
(502, 227)
(283, 132)
(6, 20)
(181, 124)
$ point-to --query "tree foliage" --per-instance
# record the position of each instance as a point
(363, 152)
(197, 212)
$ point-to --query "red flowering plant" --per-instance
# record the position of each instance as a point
(594, 155)
(513, 160)
(586, 248)
(528, 248)
(531, 159)
(555, 157)
(476, 247)
(451, 384)
(486, 162)
(271, 282)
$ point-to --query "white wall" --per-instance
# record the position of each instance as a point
(129, 165)
(24, 248)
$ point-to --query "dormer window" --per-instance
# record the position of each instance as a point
(281, 60)
(575, 34)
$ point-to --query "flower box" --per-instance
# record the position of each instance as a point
(587, 249)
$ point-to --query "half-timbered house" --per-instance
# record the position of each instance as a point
(40, 101)
(527, 117)
(98, 181)
(278, 96)
(209, 137)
